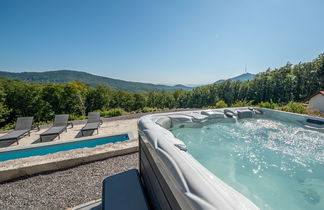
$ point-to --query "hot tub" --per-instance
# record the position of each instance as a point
(242, 158)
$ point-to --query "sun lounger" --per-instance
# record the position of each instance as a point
(23, 127)
(93, 122)
(60, 124)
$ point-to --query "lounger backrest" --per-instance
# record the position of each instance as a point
(61, 120)
(93, 117)
(24, 123)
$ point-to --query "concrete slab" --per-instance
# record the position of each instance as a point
(31, 165)
(15, 168)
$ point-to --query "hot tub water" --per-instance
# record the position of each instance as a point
(276, 164)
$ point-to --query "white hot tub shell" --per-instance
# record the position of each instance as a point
(173, 178)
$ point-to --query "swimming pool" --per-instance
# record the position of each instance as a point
(240, 158)
(58, 147)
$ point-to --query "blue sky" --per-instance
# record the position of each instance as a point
(159, 41)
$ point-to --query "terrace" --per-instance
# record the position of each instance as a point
(47, 182)
(110, 126)
(58, 188)
(170, 173)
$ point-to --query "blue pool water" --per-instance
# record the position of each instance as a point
(60, 147)
(277, 165)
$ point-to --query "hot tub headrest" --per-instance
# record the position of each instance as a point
(212, 114)
(164, 122)
(244, 114)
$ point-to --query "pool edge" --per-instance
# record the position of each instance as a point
(57, 161)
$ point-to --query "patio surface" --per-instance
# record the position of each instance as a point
(107, 128)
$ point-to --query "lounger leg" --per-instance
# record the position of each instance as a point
(59, 136)
(97, 131)
(28, 133)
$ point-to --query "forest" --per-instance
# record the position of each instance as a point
(274, 87)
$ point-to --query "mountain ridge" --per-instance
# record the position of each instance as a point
(241, 77)
(64, 76)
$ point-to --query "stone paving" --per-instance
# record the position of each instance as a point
(107, 128)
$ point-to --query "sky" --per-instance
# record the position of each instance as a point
(159, 41)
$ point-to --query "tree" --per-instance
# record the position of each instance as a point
(75, 97)
(4, 111)
(98, 98)
(140, 101)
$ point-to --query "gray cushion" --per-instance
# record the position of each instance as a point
(123, 191)
(24, 123)
(91, 126)
(61, 120)
(93, 117)
(53, 130)
(13, 134)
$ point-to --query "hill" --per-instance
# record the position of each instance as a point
(242, 77)
(64, 76)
